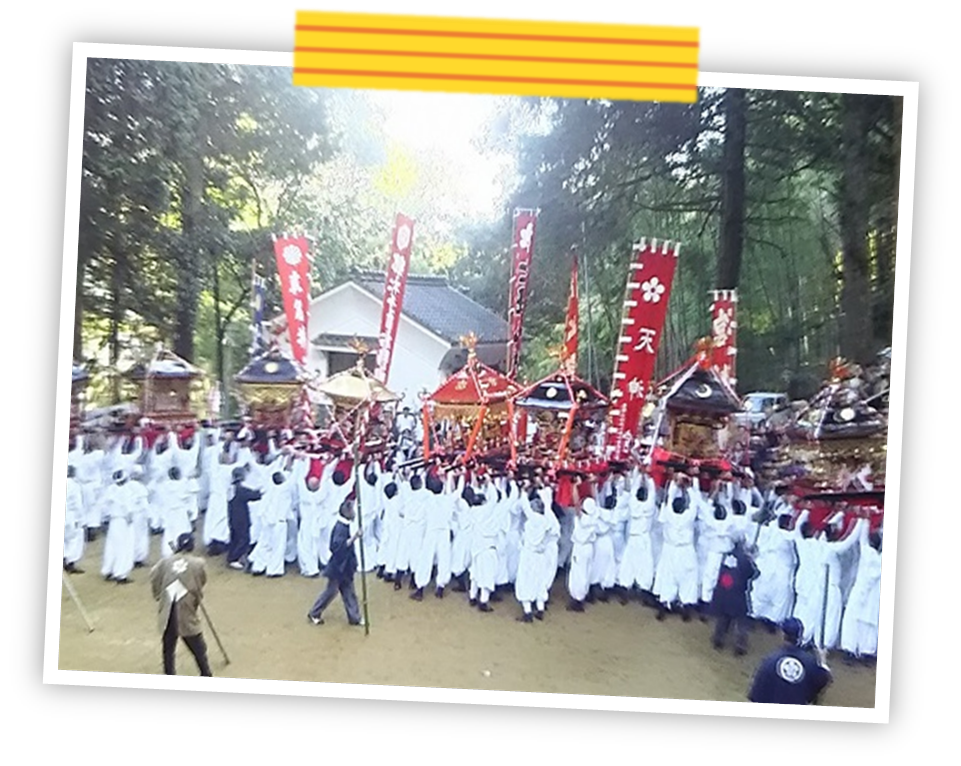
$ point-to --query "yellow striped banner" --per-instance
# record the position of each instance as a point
(525, 58)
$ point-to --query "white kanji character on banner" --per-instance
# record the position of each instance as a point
(302, 337)
(722, 326)
(645, 340)
(295, 287)
(397, 263)
(636, 388)
(299, 310)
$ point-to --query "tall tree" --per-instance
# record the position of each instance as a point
(732, 190)
(856, 329)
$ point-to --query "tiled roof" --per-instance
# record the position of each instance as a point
(434, 304)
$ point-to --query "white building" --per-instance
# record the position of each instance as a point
(428, 348)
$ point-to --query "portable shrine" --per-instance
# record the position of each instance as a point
(166, 388)
(271, 388)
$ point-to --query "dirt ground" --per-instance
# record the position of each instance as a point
(611, 649)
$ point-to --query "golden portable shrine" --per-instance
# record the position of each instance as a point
(271, 387)
(470, 411)
(349, 391)
(568, 415)
(839, 439)
(166, 388)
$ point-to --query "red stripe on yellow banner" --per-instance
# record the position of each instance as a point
(501, 57)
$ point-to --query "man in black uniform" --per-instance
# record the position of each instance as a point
(340, 568)
(729, 603)
(791, 675)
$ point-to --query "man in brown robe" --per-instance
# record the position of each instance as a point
(178, 584)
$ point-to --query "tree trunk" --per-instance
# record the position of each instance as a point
(732, 191)
(116, 316)
(188, 273)
(78, 310)
(856, 328)
(219, 328)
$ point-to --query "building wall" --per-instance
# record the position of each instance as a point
(351, 311)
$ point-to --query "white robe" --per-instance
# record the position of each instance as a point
(676, 576)
(118, 548)
(637, 562)
(534, 574)
(463, 529)
(370, 508)
(311, 507)
(603, 561)
(393, 526)
(772, 593)
(582, 551)
(216, 523)
(487, 528)
(415, 520)
(268, 554)
(435, 548)
(859, 627)
(73, 538)
(718, 540)
(141, 521)
(90, 476)
(175, 502)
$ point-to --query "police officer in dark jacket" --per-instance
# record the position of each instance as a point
(791, 675)
(340, 568)
(729, 602)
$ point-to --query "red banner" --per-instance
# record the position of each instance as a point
(645, 308)
(293, 268)
(569, 350)
(724, 329)
(522, 249)
(395, 282)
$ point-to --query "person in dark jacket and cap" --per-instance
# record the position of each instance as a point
(178, 583)
(791, 675)
(340, 568)
(238, 516)
(730, 600)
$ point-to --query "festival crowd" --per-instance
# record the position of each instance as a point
(684, 543)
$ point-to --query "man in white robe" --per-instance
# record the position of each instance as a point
(310, 504)
(636, 570)
(435, 549)
(267, 557)
(859, 626)
(118, 547)
(412, 536)
(487, 528)
(772, 593)
(176, 499)
(582, 551)
(541, 531)
(91, 478)
(140, 501)
(73, 537)
(675, 580)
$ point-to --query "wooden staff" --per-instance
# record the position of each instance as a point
(360, 424)
(824, 606)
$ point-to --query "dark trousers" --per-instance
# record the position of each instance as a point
(344, 586)
(723, 626)
(196, 645)
(239, 522)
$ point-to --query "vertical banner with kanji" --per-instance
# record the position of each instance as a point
(257, 338)
(724, 330)
(648, 290)
(522, 248)
(395, 282)
(293, 268)
(569, 349)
